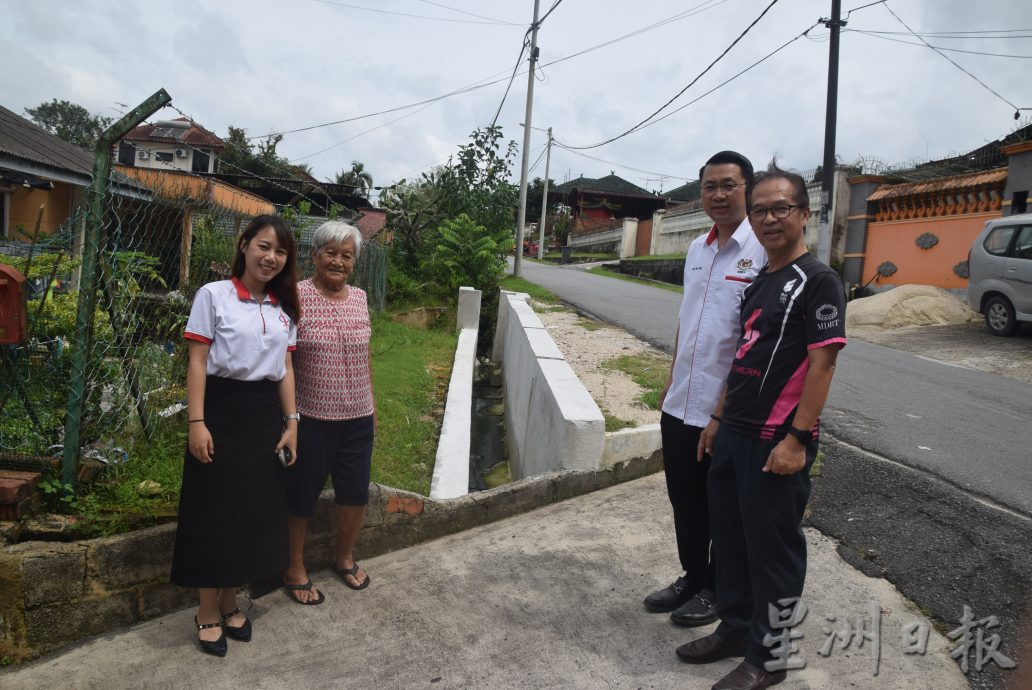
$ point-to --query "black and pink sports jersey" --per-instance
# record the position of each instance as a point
(784, 314)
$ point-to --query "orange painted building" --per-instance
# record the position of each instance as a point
(923, 230)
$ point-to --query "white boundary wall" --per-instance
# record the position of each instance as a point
(451, 468)
(552, 422)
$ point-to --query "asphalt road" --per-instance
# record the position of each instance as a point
(968, 427)
(971, 428)
(647, 312)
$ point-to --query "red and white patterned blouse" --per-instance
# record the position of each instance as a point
(331, 362)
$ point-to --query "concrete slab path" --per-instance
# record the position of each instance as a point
(547, 599)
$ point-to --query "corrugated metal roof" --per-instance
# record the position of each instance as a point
(21, 139)
(941, 184)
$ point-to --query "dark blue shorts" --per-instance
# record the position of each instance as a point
(341, 450)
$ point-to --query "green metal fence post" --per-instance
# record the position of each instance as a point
(92, 247)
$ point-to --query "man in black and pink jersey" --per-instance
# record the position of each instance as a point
(763, 435)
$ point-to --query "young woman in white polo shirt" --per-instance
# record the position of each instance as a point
(240, 394)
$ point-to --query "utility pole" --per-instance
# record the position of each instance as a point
(544, 199)
(521, 216)
(828, 169)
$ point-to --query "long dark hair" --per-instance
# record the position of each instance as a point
(284, 283)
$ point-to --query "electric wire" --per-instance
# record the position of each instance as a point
(491, 80)
(966, 35)
(512, 77)
(939, 48)
(641, 124)
(870, 4)
(950, 60)
(360, 134)
(413, 16)
(624, 166)
(470, 14)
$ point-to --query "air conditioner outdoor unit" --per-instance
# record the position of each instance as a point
(143, 155)
(180, 153)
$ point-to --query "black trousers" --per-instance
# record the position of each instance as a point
(757, 536)
(686, 487)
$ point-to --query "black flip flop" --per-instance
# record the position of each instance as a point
(306, 587)
(353, 572)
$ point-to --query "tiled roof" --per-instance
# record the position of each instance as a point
(940, 184)
(686, 192)
(21, 139)
(610, 183)
(193, 135)
(371, 222)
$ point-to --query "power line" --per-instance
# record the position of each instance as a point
(950, 60)
(870, 4)
(959, 34)
(512, 77)
(491, 80)
(641, 124)
(360, 134)
(939, 48)
(622, 165)
(414, 16)
(698, 9)
(478, 16)
(720, 85)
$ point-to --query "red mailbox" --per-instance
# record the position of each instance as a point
(13, 324)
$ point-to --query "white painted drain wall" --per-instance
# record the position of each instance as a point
(552, 422)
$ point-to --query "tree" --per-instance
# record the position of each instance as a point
(358, 177)
(70, 122)
(467, 254)
(477, 183)
(241, 157)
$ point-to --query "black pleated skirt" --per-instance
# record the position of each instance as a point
(232, 512)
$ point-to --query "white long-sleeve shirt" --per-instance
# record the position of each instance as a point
(708, 323)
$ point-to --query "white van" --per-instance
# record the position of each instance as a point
(1000, 273)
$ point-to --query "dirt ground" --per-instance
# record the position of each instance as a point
(587, 345)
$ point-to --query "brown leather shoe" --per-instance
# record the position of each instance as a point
(713, 647)
(748, 677)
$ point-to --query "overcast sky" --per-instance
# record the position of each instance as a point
(275, 65)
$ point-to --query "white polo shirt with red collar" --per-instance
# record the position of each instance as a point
(249, 339)
(708, 321)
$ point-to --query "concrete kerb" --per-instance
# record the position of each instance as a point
(53, 594)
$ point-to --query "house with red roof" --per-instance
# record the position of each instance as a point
(178, 144)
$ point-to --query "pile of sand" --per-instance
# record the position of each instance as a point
(908, 305)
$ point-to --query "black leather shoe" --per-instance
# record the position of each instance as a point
(713, 647)
(668, 598)
(215, 647)
(241, 633)
(748, 677)
(699, 610)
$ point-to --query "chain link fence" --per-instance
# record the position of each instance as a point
(162, 235)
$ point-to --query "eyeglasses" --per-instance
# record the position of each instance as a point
(778, 212)
(726, 188)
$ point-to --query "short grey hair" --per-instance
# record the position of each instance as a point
(336, 232)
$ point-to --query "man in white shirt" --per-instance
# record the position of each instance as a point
(717, 269)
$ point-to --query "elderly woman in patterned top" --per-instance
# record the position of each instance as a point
(333, 369)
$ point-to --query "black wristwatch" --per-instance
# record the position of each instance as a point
(804, 437)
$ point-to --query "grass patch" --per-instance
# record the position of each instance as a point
(655, 257)
(648, 371)
(601, 271)
(589, 324)
(584, 256)
(818, 464)
(538, 293)
(411, 369)
(615, 423)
